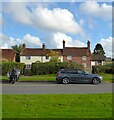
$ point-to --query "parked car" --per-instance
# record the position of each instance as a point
(66, 76)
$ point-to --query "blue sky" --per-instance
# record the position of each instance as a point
(34, 23)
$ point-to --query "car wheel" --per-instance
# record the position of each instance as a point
(95, 81)
(66, 80)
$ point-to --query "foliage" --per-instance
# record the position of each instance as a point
(18, 50)
(27, 72)
(52, 67)
(8, 66)
(99, 49)
(54, 56)
(108, 68)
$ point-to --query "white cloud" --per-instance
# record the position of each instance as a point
(55, 41)
(18, 11)
(6, 41)
(30, 41)
(92, 8)
(107, 45)
(81, 22)
(58, 20)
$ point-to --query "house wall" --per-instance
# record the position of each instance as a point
(30, 61)
(36, 58)
(93, 63)
(86, 63)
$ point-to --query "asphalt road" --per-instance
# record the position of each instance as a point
(53, 88)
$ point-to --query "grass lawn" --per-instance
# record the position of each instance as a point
(108, 77)
(57, 106)
(52, 77)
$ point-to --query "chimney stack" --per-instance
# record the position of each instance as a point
(88, 44)
(43, 46)
(63, 43)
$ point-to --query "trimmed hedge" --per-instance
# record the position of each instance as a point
(27, 72)
(52, 67)
(108, 68)
(8, 66)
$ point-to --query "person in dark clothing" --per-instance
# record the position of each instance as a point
(12, 74)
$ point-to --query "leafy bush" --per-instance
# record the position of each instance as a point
(52, 67)
(27, 72)
(108, 68)
(8, 66)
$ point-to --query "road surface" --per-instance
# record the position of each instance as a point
(53, 88)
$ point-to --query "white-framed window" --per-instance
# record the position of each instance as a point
(47, 57)
(69, 57)
(28, 57)
(84, 57)
(99, 62)
(28, 66)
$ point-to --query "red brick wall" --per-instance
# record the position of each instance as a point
(79, 60)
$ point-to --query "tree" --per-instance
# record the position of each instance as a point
(98, 49)
(18, 50)
(54, 56)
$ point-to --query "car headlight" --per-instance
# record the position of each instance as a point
(101, 77)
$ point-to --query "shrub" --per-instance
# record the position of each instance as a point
(108, 68)
(52, 67)
(8, 66)
(27, 72)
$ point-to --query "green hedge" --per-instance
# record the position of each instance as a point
(27, 72)
(52, 67)
(8, 66)
(108, 68)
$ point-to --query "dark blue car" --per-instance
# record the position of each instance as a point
(66, 76)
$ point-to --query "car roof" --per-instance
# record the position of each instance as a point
(67, 69)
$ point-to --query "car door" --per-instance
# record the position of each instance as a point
(82, 76)
(73, 76)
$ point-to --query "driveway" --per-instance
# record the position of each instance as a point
(53, 88)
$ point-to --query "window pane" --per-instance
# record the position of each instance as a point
(69, 57)
(28, 57)
(80, 72)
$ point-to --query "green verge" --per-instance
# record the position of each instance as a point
(52, 77)
(108, 77)
(57, 106)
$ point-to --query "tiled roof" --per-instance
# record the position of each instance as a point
(76, 51)
(39, 52)
(73, 51)
(8, 54)
(32, 52)
(96, 57)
